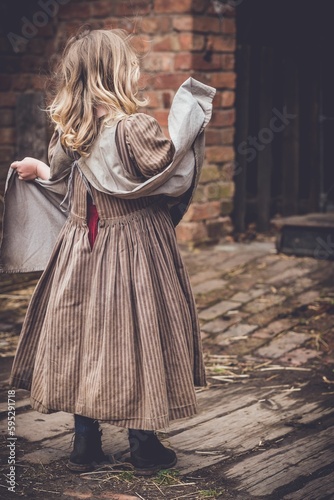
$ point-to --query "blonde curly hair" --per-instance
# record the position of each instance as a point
(97, 68)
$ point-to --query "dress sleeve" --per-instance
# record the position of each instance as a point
(148, 148)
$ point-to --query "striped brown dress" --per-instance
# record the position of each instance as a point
(112, 331)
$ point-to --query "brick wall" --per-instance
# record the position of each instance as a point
(177, 39)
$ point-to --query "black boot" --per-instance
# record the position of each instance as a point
(148, 454)
(87, 451)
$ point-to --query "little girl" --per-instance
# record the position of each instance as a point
(111, 332)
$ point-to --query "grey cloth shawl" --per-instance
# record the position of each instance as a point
(33, 217)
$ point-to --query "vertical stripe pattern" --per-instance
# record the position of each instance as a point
(112, 331)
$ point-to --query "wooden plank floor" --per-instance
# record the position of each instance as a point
(261, 433)
(264, 442)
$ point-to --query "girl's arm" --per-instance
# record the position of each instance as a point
(30, 169)
(148, 148)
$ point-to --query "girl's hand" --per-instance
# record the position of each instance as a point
(30, 168)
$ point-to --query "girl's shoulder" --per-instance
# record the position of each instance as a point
(141, 122)
(142, 139)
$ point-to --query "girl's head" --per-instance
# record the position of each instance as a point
(98, 68)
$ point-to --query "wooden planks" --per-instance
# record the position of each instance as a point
(271, 470)
(270, 442)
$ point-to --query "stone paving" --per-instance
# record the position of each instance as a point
(262, 303)
(267, 323)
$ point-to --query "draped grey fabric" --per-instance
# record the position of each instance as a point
(33, 217)
(112, 331)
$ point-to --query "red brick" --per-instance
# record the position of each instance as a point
(221, 43)
(72, 11)
(216, 103)
(212, 137)
(206, 24)
(154, 25)
(219, 190)
(119, 23)
(22, 82)
(229, 25)
(199, 195)
(219, 154)
(199, 6)
(223, 118)
(7, 99)
(146, 80)
(161, 115)
(227, 98)
(199, 24)
(188, 41)
(202, 211)
(219, 227)
(7, 118)
(183, 60)
(201, 64)
(98, 23)
(7, 135)
(170, 81)
(132, 8)
(36, 45)
(223, 80)
(155, 100)
(101, 9)
(111, 23)
(203, 76)
(179, 6)
(167, 98)
(215, 137)
(183, 23)
(46, 31)
(168, 43)
(158, 62)
(229, 10)
(227, 208)
(32, 64)
(7, 153)
(69, 28)
(209, 173)
(194, 232)
(227, 171)
(142, 43)
(38, 82)
(227, 61)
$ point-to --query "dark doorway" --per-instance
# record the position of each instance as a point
(285, 110)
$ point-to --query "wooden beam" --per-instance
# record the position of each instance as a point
(313, 140)
(290, 147)
(265, 138)
(242, 119)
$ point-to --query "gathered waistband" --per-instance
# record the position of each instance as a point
(135, 215)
